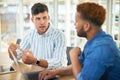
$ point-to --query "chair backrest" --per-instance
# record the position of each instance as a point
(68, 56)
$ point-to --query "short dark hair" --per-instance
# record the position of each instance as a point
(92, 12)
(38, 8)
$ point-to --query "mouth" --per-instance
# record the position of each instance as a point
(41, 27)
(76, 28)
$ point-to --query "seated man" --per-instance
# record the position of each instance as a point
(100, 58)
(44, 46)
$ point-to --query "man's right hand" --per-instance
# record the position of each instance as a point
(12, 47)
(47, 74)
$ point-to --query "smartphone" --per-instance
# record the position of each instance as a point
(4, 69)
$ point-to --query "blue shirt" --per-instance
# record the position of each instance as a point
(100, 59)
(50, 46)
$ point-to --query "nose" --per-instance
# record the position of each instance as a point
(75, 23)
(41, 21)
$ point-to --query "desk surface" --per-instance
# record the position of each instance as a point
(4, 59)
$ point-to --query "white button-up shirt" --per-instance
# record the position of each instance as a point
(50, 46)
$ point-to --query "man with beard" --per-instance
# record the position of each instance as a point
(100, 58)
(44, 46)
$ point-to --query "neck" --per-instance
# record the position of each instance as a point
(92, 33)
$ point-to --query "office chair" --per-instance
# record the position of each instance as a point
(68, 56)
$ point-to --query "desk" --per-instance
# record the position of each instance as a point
(4, 59)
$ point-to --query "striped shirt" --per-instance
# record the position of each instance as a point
(50, 46)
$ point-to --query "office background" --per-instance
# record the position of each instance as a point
(15, 19)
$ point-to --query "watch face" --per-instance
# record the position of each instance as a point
(37, 62)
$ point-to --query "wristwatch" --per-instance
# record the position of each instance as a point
(38, 62)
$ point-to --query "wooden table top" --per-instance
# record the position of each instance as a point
(4, 59)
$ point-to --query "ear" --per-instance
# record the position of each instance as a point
(87, 27)
(48, 17)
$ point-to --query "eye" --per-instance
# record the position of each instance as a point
(45, 17)
(37, 18)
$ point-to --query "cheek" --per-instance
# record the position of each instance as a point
(78, 27)
(37, 24)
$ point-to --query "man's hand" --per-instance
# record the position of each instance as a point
(28, 57)
(12, 48)
(47, 74)
(75, 52)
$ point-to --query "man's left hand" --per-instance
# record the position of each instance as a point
(28, 57)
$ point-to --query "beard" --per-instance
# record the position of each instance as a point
(81, 33)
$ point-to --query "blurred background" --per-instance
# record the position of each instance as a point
(15, 19)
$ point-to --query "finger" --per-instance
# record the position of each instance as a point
(42, 75)
(13, 45)
(12, 51)
(48, 76)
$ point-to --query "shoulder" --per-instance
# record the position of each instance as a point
(104, 44)
(104, 40)
(103, 48)
(30, 32)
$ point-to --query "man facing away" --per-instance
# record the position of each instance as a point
(100, 58)
(44, 46)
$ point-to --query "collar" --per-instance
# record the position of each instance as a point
(101, 32)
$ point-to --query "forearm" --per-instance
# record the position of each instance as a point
(64, 71)
(76, 67)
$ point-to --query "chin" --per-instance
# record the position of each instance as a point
(81, 35)
(41, 32)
